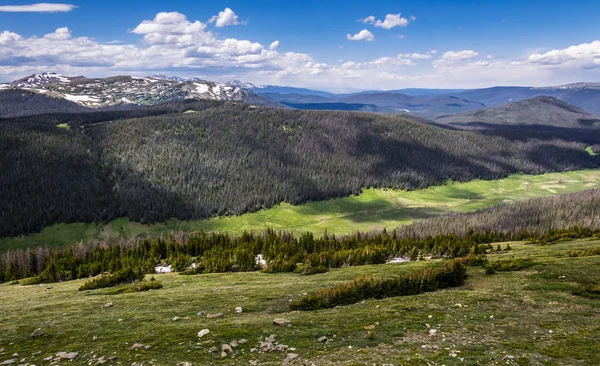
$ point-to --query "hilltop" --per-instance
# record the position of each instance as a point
(538, 111)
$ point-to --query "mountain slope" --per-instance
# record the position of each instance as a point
(582, 95)
(120, 90)
(538, 111)
(15, 103)
(203, 158)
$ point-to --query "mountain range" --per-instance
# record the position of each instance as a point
(434, 104)
(537, 111)
(124, 90)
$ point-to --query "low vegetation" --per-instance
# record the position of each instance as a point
(523, 317)
(509, 265)
(137, 287)
(451, 274)
(125, 275)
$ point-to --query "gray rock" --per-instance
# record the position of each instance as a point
(242, 341)
(281, 322)
(175, 318)
(137, 346)
(226, 348)
(290, 357)
(36, 334)
(8, 362)
(49, 358)
(184, 364)
(212, 349)
(239, 310)
(107, 305)
(67, 355)
(203, 332)
(323, 340)
(201, 313)
(233, 343)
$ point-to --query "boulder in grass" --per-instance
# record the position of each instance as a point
(281, 322)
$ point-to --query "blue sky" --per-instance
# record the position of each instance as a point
(334, 45)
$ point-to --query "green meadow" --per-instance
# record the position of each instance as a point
(528, 317)
(374, 209)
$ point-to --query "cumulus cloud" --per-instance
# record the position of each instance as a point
(390, 21)
(451, 57)
(38, 8)
(368, 20)
(225, 18)
(585, 52)
(274, 46)
(173, 43)
(363, 35)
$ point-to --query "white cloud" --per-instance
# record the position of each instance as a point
(368, 20)
(422, 55)
(59, 34)
(225, 18)
(459, 55)
(391, 21)
(274, 46)
(583, 53)
(37, 8)
(174, 44)
(7, 37)
(363, 35)
(451, 57)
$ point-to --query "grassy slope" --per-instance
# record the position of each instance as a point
(373, 209)
(530, 315)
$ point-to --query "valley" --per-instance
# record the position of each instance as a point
(301, 183)
(373, 209)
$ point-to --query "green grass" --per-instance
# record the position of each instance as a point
(374, 209)
(64, 125)
(531, 315)
(590, 151)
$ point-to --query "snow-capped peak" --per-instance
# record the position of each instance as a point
(166, 77)
(241, 84)
(102, 92)
(38, 80)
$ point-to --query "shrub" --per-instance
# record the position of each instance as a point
(452, 274)
(582, 253)
(198, 269)
(591, 291)
(137, 287)
(473, 260)
(310, 270)
(510, 265)
(110, 280)
(280, 266)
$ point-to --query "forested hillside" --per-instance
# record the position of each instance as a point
(536, 215)
(540, 111)
(193, 160)
(14, 103)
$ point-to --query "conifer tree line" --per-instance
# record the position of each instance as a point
(198, 159)
(547, 220)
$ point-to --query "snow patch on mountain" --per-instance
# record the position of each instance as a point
(102, 92)
(80, 98)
